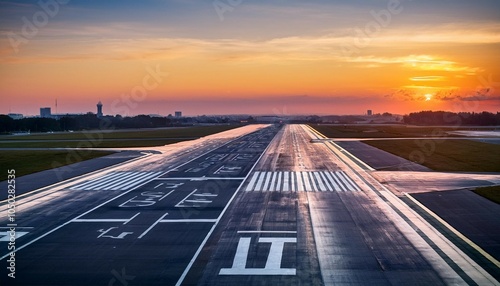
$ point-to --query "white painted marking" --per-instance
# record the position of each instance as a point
(104, 183)
(100, 220)
(120, 236)
(326, 182)
(100, 181)
(273, 183)
(5, 235)
(204, 178)
(267, 231)
(346, 182)
(335, 184)
(266, 182)
(166, 195)
(198, 251)
(300, 184)
(308, 185)
(205, 195)
(131, 184)
(119, 182)
(125, 221)
(90, 183)
(153, 225)
(286, 182)
(321, 186)
(181, 202)
(278, 183)
(158, 185)
(260, 181)
(252, 181)
(189, 220)
(273, 263)
(198, 201)
(353, 184)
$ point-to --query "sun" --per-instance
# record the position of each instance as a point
(428, 97)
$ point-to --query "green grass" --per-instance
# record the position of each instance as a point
(384, 131)
(491, 193)
(112, 139)
(446, 155)
(90, 143)
(27, 162)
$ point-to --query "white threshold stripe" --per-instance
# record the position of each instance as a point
(320, 182)
(199, 178)
(278, 183)
(117, 181)
(123, 181)
(307, 185)
(353, 184)
(251, 184)
(97, 181)
(136, 182)
(286, 182)
(300, 181)
(273, 182)
(131, 182)
(102, 183)
(260, 181)
(266, 181)
(335, 181)
(345, 181)
(326, 182)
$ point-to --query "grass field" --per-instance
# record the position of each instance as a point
(27, 162)
(446, 155)
(385, 131)
(491, 193)
(112, 139)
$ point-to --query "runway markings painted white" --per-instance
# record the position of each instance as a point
(317, 181)
(117, 181)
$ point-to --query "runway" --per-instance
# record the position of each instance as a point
(266, 207)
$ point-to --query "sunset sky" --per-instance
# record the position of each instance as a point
(249, 56)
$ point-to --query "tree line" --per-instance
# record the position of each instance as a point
(91, 121)
(452, 118)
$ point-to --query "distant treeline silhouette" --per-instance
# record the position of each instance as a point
(452, 119)
(91, 121)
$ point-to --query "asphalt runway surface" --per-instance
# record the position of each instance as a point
(473, 215)
(266, 208)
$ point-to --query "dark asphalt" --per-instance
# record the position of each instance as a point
(146, 225)
(379, 159)
(49, 177)
(147, 234)
(472, 215)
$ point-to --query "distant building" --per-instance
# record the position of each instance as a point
(178, 114)
(45, 112)
(15, 115)
(369, 112)
(99, 109)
